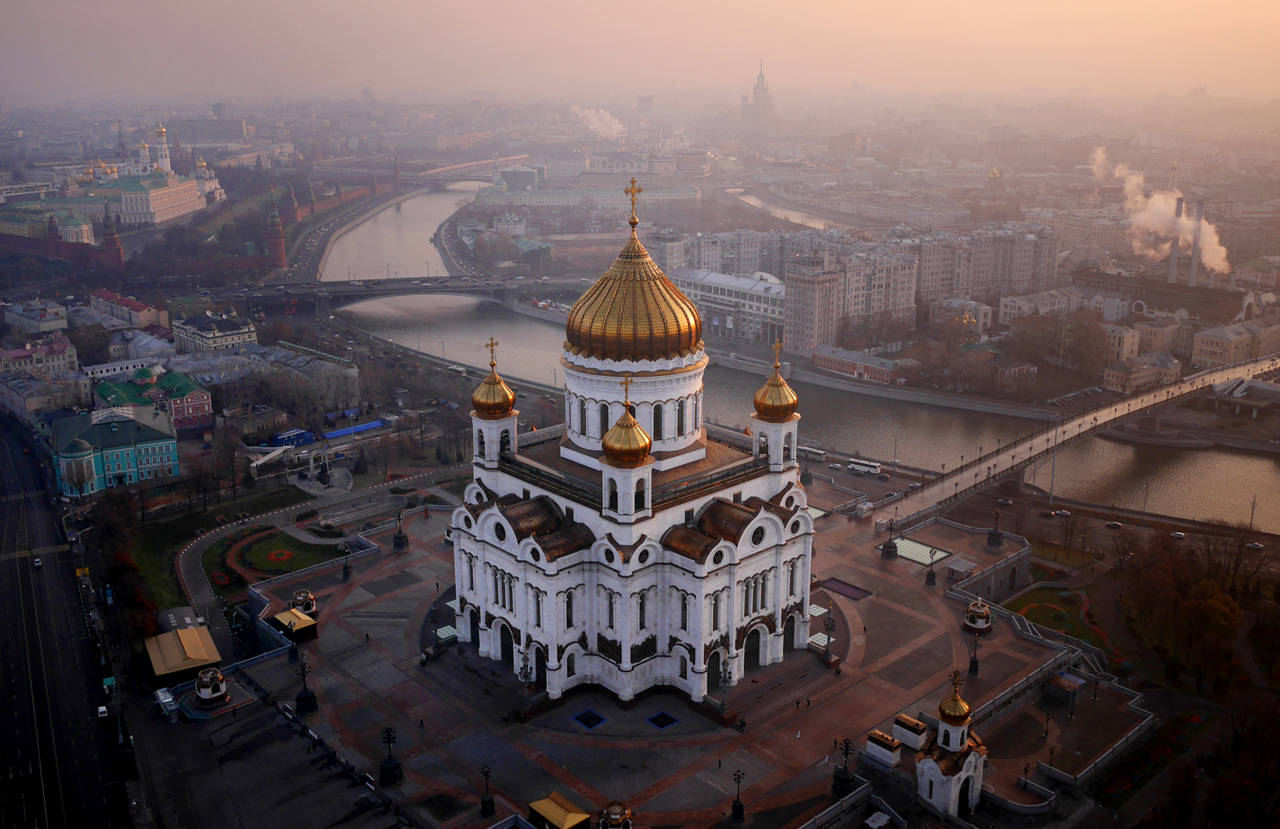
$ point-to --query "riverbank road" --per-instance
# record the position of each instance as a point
(982, 470)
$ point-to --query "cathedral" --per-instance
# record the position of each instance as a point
(628, 548)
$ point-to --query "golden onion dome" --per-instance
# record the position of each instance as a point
(953, 710)
(776, 401)
(633, 311)
(161, 131)
(627, 444)
(200, 164)
(493, 399)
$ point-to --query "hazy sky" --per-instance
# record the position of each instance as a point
(54, 51)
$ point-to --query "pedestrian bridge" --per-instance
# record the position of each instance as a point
(978, 473)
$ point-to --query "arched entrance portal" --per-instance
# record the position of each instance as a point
(474, 626)
(789, 635)
(507, 647)
(539, 669)
(965, 788)
(751, 651)
(713, 671)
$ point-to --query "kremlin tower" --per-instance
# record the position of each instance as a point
(112, 254)
(275, 237)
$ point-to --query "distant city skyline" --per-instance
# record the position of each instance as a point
(142, 51)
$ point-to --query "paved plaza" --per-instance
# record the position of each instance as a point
(669, 759)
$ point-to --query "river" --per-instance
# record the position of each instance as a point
(1209, 484)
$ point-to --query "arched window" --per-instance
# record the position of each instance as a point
(610, 610)
(504, 443)
(791, 580)
(684, 668)
(568, 665)
(946, 737)
(568, 612)
(657, 421)
(680, 418)
(604, 418)
(640, 505)
(641, 609)
(582, 416)
(613, 495)
(684, 612)
(480, 443)
(697, 414)
(715, 612)
(786, 447)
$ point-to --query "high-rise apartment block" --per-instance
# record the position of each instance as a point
(989, 263)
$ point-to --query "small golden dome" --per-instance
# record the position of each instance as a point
(161, 131)
(633, 311)
(953, 710)
(776, 401)
(627, 444)
(493, 399)
(200, 164)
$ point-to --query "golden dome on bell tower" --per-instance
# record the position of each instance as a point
(953, 710)
(627, 444)
(493, 399)
(776, 401)
(633, 311)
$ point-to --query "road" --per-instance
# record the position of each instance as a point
(56, 767)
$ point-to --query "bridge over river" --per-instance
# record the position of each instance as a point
(1013, 458)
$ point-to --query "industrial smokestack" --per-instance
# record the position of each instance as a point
(1173, 248)
(1195, 243)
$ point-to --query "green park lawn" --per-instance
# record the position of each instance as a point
(280, 552)
(1059, 610)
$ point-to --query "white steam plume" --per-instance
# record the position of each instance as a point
(600, 121)
(1153, 225)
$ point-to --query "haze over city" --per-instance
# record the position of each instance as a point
(691, 52)
(635, 416)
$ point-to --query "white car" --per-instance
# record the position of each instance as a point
(37, 563)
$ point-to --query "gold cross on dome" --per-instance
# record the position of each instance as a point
(955, 682)
(633, 191)
(492, 345)
(777, 349)
(626, 389)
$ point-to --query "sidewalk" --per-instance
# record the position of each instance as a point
(195, 581)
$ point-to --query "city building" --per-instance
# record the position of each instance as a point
(757, 111)
(863, 365)
(748, 308)
(867, 289)
(36, 316)
(632, 546)
(24, 395)
(1055, 302)
(992, 262)
(1012, 374)
(1221, 346)
(1123, 342)
(51, 356)
(196, 335)
(1157, 335)
(1142, 372)
(107, 448)
(509, 224)
(189, 405)
(127, 309)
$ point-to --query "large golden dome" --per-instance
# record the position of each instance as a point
(776, 401)
(953, 710)
(633, 311)
(627, 444)
(493, 399)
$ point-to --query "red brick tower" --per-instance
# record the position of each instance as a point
(275, 237)
(112, 254)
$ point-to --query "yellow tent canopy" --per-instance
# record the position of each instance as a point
(186, 649)
(557, 812)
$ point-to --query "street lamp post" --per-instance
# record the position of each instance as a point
(486, 803)
(739, 811)
(829, 625)
(842, 777)
(390, 774)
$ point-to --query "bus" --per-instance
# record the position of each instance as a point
(458, 370)
(811, 453)
(864, 467)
